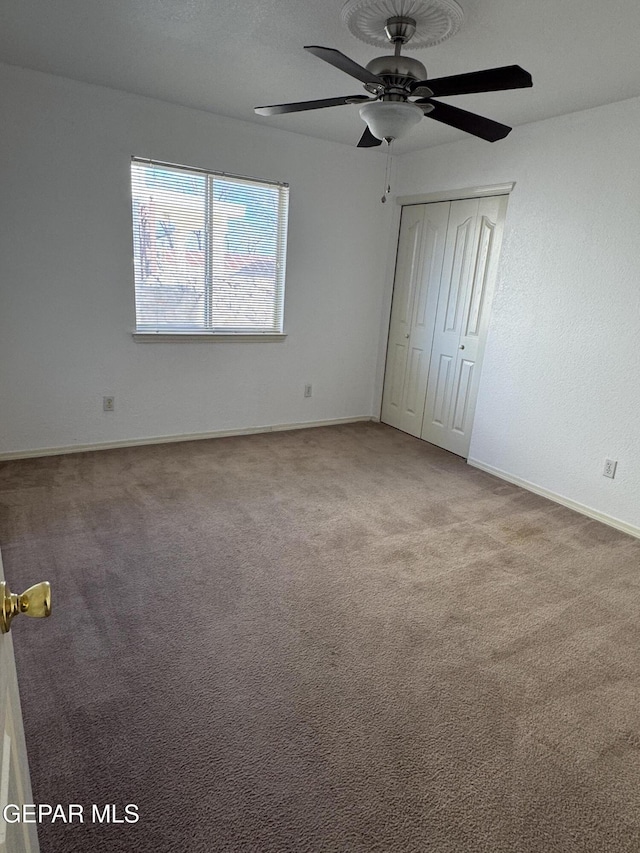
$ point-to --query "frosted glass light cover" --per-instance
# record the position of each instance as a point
(390, 119)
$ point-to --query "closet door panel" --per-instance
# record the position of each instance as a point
(417, 281)
(462, 318)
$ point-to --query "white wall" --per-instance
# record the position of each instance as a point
(66, 276)
(560, 388)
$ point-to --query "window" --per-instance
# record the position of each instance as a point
(209, 251)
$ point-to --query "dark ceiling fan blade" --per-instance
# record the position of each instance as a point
(489, 80)
(368, 140)
(480, 126)
(278, 109)
(343, 63)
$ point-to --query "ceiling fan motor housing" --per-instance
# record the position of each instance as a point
(397, 72)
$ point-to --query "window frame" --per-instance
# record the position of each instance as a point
(149, 335)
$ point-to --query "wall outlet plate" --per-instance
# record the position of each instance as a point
(609, 469)
(307, 390)
(108, 404)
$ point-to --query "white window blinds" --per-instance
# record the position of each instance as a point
(209, 251)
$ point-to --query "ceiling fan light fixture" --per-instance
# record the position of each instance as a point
(390, 119)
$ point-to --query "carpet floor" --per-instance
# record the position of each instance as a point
(335, 640)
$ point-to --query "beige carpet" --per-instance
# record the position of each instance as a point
(338, 639)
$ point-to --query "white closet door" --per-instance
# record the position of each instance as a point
(461, 320)
(419, 262)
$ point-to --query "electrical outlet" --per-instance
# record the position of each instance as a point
(108, 404)
(609, 469)
(307, 390)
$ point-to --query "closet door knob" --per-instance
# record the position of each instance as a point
(461, 346)
(36, 601)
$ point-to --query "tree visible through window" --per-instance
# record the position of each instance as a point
(209, 251)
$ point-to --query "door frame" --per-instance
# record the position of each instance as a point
(13, 751)
(455, 195)
(402, 201)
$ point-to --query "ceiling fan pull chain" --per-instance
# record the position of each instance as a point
(387, 172)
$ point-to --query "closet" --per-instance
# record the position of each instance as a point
(444, 281)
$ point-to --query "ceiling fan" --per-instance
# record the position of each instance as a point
(400, 93)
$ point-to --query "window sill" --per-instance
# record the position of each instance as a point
(218, 337)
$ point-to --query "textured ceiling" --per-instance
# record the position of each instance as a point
(228, 58)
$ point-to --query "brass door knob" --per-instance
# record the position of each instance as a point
(35, 601)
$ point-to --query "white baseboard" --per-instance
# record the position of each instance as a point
(631, 529)
(169, 439)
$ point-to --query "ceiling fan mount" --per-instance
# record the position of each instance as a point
(400, 28)
(400, 92)
(431, 21)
